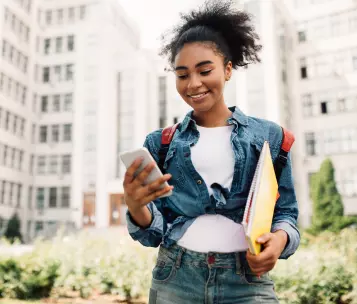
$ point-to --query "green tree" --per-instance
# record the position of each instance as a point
(327, 202)
(13, 231)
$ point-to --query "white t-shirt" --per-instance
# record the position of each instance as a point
(213, 158)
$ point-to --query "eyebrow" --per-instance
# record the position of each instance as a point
(196, 66)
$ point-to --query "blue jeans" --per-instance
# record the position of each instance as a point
(183, 276)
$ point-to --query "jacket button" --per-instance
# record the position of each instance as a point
(199, 182)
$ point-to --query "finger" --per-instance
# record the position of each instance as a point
(158, 193)
(264, 238)
(156, 185)
(142, 176)
(129, 174)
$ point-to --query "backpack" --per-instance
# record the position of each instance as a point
(288, 139)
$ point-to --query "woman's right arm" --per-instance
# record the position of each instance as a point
(144, 219)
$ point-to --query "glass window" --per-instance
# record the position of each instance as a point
(67, 132)
(70, 43)
(46, 74)
(59, 44)
(58, 73)
(66, 164)
(302, 36)
(53, 164)
(41, 165)
(55, 133)
(43, 134)
(53, 198)
(38, 227)
(56, 103)
(40, 198)
(71, 14)
(69, 72)
(68, 102)
(82, 12)
(48, 17)
(44, 104)
(47, 45)
(29, 199)
(65, 197)
(310, 144)
(60, 16)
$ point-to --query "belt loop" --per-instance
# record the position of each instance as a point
(179, 257)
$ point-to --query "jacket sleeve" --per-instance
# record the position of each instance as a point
(286, 210)
(152, 235)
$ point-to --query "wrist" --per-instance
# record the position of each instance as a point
(283, 238)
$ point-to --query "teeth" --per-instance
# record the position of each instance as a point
(198, 96)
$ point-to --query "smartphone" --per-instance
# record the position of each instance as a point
(130, 156)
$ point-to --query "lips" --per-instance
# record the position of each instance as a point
(198, 96)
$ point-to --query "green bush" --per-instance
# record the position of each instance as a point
(323, 270)
(27, 278)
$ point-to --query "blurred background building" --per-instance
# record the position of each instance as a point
(77, 88)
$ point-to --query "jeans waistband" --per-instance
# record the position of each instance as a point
(182, 255)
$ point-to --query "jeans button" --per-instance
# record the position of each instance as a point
(199, 182)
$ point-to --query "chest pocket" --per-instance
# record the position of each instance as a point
(173, 166)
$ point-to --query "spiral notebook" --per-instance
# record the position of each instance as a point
(263, 194)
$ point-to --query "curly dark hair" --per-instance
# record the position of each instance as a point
(219, 24)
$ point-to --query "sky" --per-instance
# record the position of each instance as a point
(154, 17)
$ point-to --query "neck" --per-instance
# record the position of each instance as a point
(215, 117)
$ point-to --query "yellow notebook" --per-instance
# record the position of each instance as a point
(259, 210)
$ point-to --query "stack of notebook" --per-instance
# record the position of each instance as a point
(259, 210)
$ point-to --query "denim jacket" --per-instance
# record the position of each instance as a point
(171, 216)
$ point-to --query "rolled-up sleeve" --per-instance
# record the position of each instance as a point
(286, 211)
(152, 235)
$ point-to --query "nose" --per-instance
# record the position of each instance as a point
(194, 83)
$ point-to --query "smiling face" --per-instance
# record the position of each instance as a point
(201, 75)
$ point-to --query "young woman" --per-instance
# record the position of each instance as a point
(203, 256)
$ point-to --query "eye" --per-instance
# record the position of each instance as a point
(182, 76)
(205, 73)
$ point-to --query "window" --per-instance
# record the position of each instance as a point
(55, 133)
(48, 17)
(70, 43)
(53, 198)
(66, 164)
(40, 198)
(24, 94)
(68, 102)
(58, 73)
(13, 156)
(44, 104)
(60, 16)
(59, 44)
(56, 103)
(7, 121)
(47, 46)
(53, 164)
(82, 12)
(162, 101)
(22, 127)
(19, 190)
(65, 197)
(67, 132)
(29, 199)
(302, 36)
(41, 165)
(21, 158)
(14, 124)
(303, 68)
(310, 144)
(69, 72)
(43, 134)
(11, 191)
(32, 161)
(46, 74)
(33, 134)
(38, 227)
(324, 107)
(71, 14)
(3, 192)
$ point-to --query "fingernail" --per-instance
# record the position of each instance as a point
(259, 239)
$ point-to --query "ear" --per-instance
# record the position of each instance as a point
(228, 70)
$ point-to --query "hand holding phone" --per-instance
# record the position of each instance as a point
(144, 181)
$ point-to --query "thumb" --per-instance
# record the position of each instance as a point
(264, 238)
